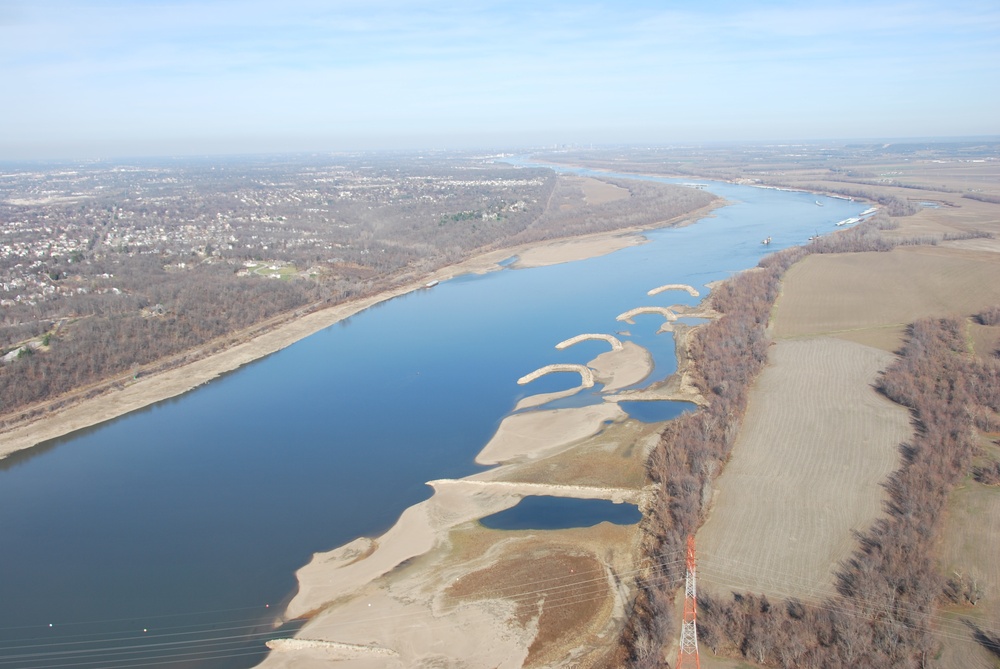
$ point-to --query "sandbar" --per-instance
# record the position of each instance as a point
(438, 589)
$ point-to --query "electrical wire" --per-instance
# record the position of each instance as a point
(558, 594)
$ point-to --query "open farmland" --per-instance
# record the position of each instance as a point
(870, 297)
(816, 442)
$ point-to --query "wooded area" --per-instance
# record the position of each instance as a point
(889, 587)
(106, 272)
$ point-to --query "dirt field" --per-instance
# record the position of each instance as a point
(870, 297)
(600, 192)
(970, 546)
(816, 442)
(575, 192)
(985, 340)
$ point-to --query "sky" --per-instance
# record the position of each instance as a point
(104, 78)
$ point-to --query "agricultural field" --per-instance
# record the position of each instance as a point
(867, 299)
(870, 297)
(815, 443)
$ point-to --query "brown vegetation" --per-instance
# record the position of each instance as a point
(559, 609)
(816, 442)
(112, 309)
(730, 351)
(116, 337)
(889, 587)
(886, 571)
(988, 474)
(857, 297)
(989, 316)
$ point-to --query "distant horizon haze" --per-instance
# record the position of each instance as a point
(85, 79)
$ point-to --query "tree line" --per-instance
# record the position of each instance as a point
(889, 586)
(137, 311)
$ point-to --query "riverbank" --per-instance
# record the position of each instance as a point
(438, 587)
(130, 395)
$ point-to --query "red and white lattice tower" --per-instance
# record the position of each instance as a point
(688, 655)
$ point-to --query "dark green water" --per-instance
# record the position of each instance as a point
(169, 536)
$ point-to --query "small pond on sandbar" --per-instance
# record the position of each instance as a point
(543, 512)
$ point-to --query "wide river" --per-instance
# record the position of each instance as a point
(169, 537)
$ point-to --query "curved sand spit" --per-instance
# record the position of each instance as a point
(616, 344)
(585, 372)
(631, 313)
(674, 286)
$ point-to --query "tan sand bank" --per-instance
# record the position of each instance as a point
(540, 434)
(438, 589)
(580, 248)
(621, 368)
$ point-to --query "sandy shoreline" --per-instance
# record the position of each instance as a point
(437, 586)
(415, 595)
(156, 387)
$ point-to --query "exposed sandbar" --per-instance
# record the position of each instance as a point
(616, 344)
(586, 375)
(632, 313)
(542, 433)
(674, 286)
(581, 248)
(624, 367)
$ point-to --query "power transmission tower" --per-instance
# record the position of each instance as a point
(688, 654)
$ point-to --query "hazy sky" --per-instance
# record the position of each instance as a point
(128, 77)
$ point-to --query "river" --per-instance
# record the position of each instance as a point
(169, 537)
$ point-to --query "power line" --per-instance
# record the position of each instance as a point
(557, 592)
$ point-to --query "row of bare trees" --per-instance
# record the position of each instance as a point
(889, 588)
(728, 354)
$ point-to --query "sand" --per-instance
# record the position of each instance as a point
(438, 589)
(576, 249)
(416, 597)
(435, 590)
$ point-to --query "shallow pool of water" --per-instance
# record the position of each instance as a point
(542, 512)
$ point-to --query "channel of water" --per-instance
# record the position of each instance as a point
(168, 537)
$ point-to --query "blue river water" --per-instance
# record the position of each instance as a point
(541, 512)
(169, 537)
